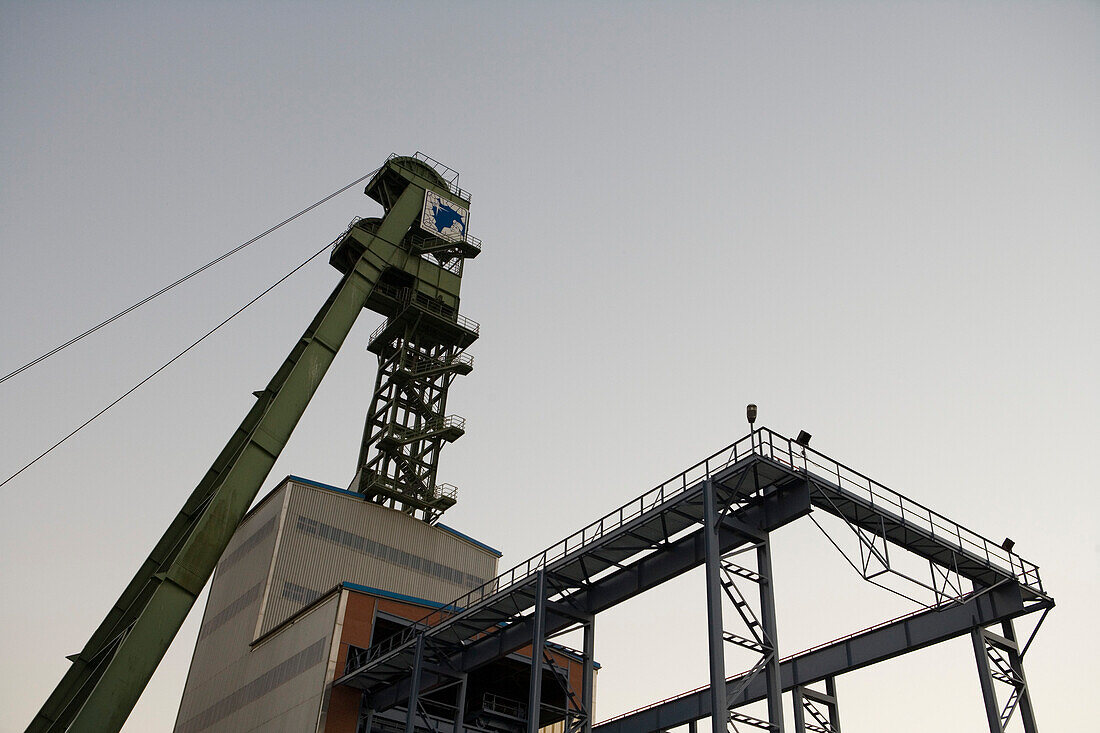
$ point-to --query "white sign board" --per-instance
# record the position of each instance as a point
(443, 218)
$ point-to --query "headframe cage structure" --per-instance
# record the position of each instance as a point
(720, 514)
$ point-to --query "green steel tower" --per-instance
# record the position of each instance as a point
(421, 346)
(406, 265)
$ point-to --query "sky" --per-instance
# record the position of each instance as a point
(876, 220)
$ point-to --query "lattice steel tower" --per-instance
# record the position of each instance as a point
(421, 346)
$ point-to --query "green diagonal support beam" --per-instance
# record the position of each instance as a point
(108, 676)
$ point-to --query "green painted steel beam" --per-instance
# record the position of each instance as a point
(108, 676)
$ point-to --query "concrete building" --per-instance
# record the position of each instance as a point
(313, 574)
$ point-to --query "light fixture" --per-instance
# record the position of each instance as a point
(803, 438)
(1007, 545)
(750, 413)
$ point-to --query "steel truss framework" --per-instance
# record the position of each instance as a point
(420, 350)
(719, 513)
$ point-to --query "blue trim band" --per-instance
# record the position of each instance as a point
(319, 485)
(469, 539)
(397, 596)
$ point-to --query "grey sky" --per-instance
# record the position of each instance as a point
(876, 220)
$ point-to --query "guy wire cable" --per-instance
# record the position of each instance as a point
(183, 279)
(168, 363)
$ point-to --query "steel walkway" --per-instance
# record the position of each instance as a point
(763, 479)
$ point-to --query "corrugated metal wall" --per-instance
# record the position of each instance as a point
(278, 686)
(329, 537)
(295, 547)
(229, 623)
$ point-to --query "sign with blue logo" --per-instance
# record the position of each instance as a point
(442, 218)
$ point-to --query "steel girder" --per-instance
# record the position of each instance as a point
(763, 484)
(664, 562)
(878, 644)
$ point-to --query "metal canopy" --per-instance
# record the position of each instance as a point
(761, 482)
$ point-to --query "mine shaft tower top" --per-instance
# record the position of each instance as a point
(421, 346)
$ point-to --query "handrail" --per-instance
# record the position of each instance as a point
(762, 442)
(526, 570)
(417, 362)
(445, 491)
(901, 507)
(407, 297)
(439, 422)
(448, 174)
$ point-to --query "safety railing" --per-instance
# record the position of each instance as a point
(447, 173)
(409, 433)
(409, 297)
(526, 570)
(473, 242)
(901, 508)
(445, 422)
(445, 491)
(357, 656)
(762, 442)
(420, 362)
(503, 706)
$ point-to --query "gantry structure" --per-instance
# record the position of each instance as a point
(721, 513)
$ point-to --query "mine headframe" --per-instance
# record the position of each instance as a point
(421, 345)
(406, 265)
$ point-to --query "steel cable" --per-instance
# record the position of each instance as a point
(168, 363)
(182, 280)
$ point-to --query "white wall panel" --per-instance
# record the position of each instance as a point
(329, 538)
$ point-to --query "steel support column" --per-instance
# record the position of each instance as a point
(460, 705)
(715, 636)
(588, 674)
(1027, 713)
(768, 628)
(538, 643)
(414, 688)
(806, 700)
(999, 660)
(989, 696)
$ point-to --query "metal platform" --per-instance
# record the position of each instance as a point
(760, 483)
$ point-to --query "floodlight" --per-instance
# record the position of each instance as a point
(803, 438)
(1007, 545)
